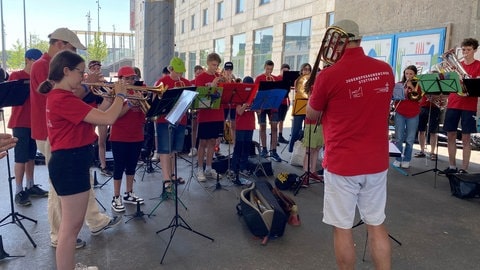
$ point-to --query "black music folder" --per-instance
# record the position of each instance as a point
(290, 77)
(14, 93)
(472, 86)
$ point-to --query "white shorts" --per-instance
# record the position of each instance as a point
(343, 194)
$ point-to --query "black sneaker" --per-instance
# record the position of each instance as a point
(274, 155)
(448, 171)
(114, 221)
(130, 197)
(36, 191)
(282, 140)
(462, 171)
(22, 199)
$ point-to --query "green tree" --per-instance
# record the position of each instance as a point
(37, 43)
(97, 49)
(16, 56)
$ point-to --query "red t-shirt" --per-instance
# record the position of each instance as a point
(465, 103)
(20, 116)
(64, 114)
(424, 102)
(129, 127)
(38, 74)
(245, 121)
(408, 108)
(354, 95)
(170, 84)
(208, 115)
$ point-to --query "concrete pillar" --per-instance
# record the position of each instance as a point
(158, 36)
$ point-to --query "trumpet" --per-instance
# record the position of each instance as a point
(107, 90)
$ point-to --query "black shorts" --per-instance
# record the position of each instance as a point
(69, 170)
(423, 119)
(210, 130)
(466, 118)
(282, 112)
(26, 148)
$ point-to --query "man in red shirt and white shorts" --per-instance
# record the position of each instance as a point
(348, 97)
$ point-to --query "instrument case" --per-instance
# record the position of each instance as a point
(464, 185)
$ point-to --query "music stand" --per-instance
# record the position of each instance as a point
(162, 106)
(208, 97)
(173, 118)
(472, 86)
(290, 77)
(14, 93)
(438, 84)
(235, 94)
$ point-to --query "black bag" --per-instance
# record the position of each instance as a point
(464, 185)
(261, 211)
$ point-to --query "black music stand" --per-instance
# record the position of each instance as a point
(438, 84)
(366, 240)
(173, 117)
(14, 93)
(290, 77)
(162, 107)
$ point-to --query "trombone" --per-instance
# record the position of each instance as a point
(107, 90)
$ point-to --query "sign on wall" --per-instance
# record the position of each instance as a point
(420, 48)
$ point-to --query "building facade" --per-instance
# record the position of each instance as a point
(248, 32)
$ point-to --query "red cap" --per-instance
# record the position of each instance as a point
(126, 71)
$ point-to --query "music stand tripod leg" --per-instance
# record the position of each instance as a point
(16, 217)
(177, 220)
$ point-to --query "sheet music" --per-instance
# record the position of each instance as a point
(393, 150)
(182, 105)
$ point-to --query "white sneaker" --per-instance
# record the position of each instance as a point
(212, 174)
(396, 163)
(117, 204)
(193, 152)
(130, 197)
(405, 164)
(201, 176)
(80, 266)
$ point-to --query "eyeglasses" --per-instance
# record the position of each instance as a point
(79, 71)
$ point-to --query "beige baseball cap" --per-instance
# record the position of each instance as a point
(67, 35)
(350, 27)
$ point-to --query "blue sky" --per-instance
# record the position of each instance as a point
(44, 16)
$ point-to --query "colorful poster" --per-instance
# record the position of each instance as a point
(379, 47)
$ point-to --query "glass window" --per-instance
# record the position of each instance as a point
(205, 16)
(183, 27)
(262, 49)
(220, 11)
(203, 57)
(330, 18)
(193, 21)
(239, 6)
(263, 2)
(238, 55)
(297, 43)
(192, 61)
(219, 47)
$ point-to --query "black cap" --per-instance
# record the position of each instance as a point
(165, 70)
(228, 66)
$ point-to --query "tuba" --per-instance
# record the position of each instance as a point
(333, 45)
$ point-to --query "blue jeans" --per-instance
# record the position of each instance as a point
(405, 131)
(296, 128)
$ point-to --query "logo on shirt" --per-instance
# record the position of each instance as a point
(382, 89)
(356, 93)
